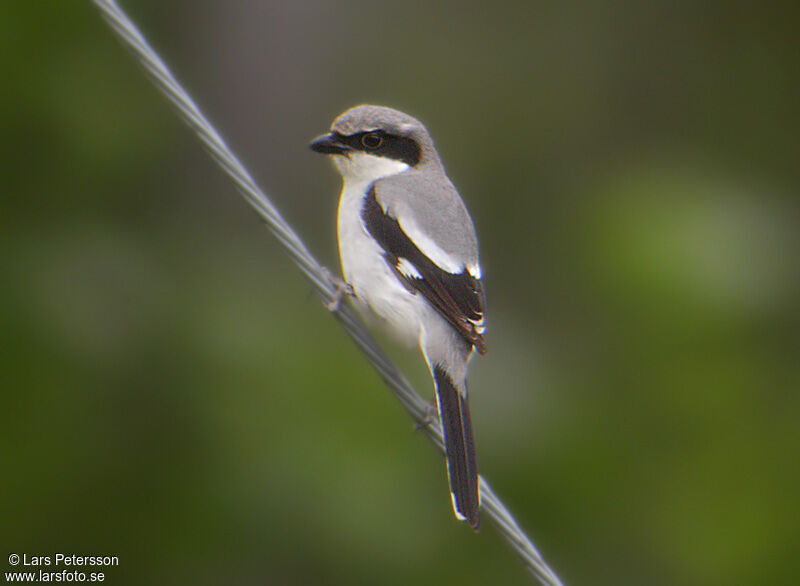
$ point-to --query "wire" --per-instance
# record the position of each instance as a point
(398, 385)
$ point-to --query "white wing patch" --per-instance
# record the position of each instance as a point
(407, 269)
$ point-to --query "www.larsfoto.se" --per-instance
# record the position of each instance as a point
(62, 576)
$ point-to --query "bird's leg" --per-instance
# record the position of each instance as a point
(341, 288)
(430, 416)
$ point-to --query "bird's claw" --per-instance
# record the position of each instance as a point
(341, 289)
(430, 417)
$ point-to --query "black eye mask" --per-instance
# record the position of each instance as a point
(383, 144)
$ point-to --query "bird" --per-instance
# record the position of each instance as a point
(409, 254)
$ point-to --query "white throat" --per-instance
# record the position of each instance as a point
(362, 168)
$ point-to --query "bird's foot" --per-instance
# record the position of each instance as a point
(430, 417)
(341, 289)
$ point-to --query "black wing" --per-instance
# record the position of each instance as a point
(457, 297)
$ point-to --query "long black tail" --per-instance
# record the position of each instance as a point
(462, 467)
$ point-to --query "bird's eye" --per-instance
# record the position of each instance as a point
(372, 140)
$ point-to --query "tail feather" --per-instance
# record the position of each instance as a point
(462, 465)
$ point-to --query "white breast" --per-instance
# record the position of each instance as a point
(374, 283)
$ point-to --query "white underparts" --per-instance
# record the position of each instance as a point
(374, 282)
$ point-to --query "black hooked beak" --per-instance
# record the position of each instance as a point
(329, 144)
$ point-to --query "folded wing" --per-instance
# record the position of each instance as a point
(455, 292)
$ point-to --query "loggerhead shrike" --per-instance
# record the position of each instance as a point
(409, 254)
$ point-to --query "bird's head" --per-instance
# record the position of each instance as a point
(371, 142)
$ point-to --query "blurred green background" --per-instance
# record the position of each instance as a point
(173, 395)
